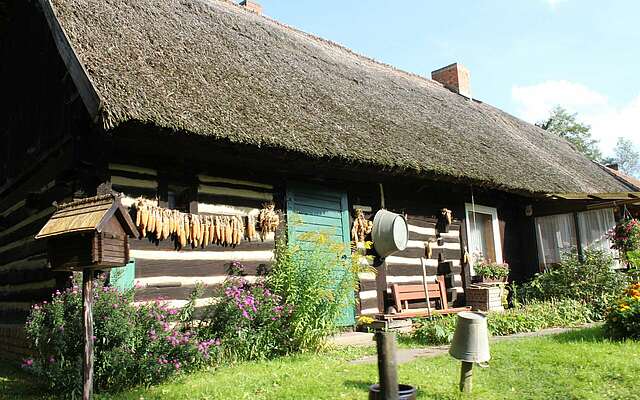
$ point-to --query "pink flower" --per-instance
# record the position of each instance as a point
(51, 360)
(27, 363)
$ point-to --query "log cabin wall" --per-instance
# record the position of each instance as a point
(421, 204)
(163, 272)
(43, 124)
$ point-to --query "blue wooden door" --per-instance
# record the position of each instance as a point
(314, 209)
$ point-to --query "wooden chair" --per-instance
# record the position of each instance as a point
(402, 294)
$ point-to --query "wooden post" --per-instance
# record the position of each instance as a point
(466, 377)
(381, 282)
(87, 312)
(387, 368)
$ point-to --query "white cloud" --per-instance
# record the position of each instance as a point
(608, 122)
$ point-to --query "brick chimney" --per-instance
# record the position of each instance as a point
(454, 77)
(252, 6)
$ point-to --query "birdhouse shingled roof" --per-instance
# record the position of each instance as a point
(88, 214)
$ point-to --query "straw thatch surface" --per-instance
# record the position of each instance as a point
(211, 68)
(84, 215)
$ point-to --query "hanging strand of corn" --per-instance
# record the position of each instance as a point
(186, 229)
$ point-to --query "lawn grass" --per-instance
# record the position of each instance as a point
(575, 365)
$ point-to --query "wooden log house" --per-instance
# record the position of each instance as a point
(209, 108)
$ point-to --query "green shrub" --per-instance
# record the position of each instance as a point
(529, 318)
(436, 331)
(536, 316)
(133, 345)
(623, 318)
(593, 282)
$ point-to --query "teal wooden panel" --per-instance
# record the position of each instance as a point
(313, 209)
(123, 277)
(317, 211)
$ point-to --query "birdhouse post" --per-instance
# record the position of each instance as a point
(88, 235)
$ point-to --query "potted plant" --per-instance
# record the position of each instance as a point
(625, 237)
(490, 272)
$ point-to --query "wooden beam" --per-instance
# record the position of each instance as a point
(77, 71)
(87, 312)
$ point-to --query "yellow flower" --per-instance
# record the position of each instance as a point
(365, 320)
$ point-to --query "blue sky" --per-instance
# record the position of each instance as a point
(524, 55)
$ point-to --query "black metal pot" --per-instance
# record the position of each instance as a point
(405, 392)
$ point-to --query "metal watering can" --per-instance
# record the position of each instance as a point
(470, 345)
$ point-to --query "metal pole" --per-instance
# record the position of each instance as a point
(87, 312)
(466, 377)
(387, 367)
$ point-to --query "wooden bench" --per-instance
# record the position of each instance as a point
(402, 294)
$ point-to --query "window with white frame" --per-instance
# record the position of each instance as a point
(483, 233)
(556, 234)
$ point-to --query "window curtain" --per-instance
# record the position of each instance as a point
(481, 237)
(556, 235)
(594, 226)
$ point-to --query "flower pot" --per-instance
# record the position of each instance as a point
(405, 392)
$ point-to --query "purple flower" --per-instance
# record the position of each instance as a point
(51, 360)
(27, 363)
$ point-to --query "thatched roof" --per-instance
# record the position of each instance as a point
(86, 215)
(211, 68)
(629, 180)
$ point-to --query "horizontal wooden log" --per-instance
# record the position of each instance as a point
(404, 270)
(14, 277)
(368, 285)
(26, 227)
(229, 255)
(169, 293)
(22, 250)
(150, 268)
(447, 254)
(229, 192)
(34, 262)
(397, 260)
(168, 245)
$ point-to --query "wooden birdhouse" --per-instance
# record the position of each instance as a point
(91, 233)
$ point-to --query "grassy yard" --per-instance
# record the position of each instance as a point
(575, 365)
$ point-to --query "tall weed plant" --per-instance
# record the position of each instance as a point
(317, 279)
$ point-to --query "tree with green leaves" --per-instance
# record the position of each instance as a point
(627, 156)
(565, 125)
